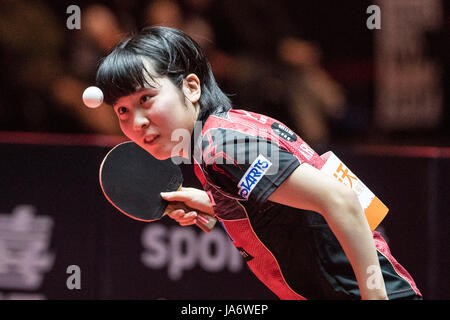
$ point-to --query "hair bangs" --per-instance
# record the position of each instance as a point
(120, 74)
(170, 53)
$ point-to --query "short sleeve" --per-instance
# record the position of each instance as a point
(243, 166)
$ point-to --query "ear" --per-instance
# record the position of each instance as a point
(191, 88)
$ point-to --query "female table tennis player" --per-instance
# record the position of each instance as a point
(303, 234)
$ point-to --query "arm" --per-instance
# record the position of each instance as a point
(308, 188)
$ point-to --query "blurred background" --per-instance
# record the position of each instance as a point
(316, 66)
(379, 96)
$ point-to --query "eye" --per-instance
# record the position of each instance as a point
(122, 110)
(145, 98)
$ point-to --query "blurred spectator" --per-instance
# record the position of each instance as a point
(30, 41)
(287, 83)
(197, 24)
(191, 16)
(249, 26)
(164, 12)
(99, 33)
(39, 93)
(314, 97)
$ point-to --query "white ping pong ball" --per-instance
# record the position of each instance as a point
(92, 97)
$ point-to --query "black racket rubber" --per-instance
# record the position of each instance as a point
(132, 180)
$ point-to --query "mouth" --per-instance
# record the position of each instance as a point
(150, 139)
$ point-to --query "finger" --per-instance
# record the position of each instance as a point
(176, 214)
(188, 218)
(177, 196)
(188, 223)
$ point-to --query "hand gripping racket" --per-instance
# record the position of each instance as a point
(132, 180)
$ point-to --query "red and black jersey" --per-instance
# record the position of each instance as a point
(241, 158)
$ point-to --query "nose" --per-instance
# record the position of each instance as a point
(140, 121)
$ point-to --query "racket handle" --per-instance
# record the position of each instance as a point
(204, 221)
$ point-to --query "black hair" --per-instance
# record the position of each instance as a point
(172, 53)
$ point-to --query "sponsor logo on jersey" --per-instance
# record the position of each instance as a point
(245, 255)
(284, 132)
(253, 175)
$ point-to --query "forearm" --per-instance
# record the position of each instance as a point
(348, 223)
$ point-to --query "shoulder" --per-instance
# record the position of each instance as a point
(237, 119)
(243, 129)
(248, 155)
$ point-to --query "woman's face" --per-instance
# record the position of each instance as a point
(152, 114)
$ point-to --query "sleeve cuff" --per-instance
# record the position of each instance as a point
(271, 187)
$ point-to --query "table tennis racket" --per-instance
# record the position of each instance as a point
(132, 180)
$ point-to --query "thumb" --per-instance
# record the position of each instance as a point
(176, 196)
